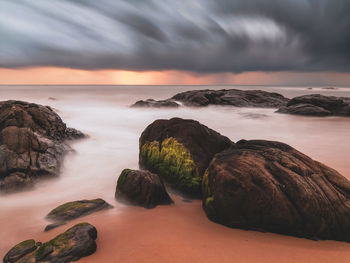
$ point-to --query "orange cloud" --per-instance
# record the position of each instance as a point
(53, 75)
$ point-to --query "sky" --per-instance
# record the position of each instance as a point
(278, 42)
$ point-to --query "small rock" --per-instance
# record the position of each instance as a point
(54, 225)
(141, 188)
(75, 209)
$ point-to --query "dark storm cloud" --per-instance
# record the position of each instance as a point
(197, 35)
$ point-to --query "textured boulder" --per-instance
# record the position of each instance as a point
(75, 243)
(32, 143)
(317, 105)
(179, 151)
(141, 188)
(231, 97)
(75, 209)
(270, 186)
(151, 103)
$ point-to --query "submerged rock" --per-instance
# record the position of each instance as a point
(75, 209)
(32, 143)
(151, 103)
(75, 243)
(141, 188)
(270, 186)
(179, 151)
(317, 105)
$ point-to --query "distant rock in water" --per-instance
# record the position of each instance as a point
(32, 143)
(141, 188)
(270, 186)
(53, 225)
(75, 243)
(317, 105)
(151, 103)
(230, 97)
(179, 151)
(75, 209)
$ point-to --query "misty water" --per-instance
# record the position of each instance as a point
(114, 128)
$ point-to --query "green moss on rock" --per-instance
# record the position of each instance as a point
(173, 162)
(207, 195)
(122, 178)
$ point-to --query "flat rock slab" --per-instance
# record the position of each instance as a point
(75, 209)
(75, 243)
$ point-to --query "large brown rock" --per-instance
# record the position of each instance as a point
(270, 186)
(141, 188)
(75, 243)
(179, 151)
(32, 143)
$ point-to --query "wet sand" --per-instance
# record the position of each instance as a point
(182, 233)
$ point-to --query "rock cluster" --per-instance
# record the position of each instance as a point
(32, 143)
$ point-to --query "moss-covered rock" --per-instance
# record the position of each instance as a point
(75, 209)
(141, 188)
(75, 243)
(179, 151)
(20, 250)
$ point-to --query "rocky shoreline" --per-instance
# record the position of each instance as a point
(256, 185)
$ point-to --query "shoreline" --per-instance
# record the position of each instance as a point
(182, 233)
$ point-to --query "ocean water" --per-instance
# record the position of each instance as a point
(114, 128)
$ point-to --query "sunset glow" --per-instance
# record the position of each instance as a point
(65, 76)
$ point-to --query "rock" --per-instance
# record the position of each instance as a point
(75, 243)
(32, 144)
(270, 186)
(53, 225)
(75, 209)
(151, 103)
(20, 250)
(231, 97)
(318, 105)
(305, 109)
(179, 151)
(141, 188)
